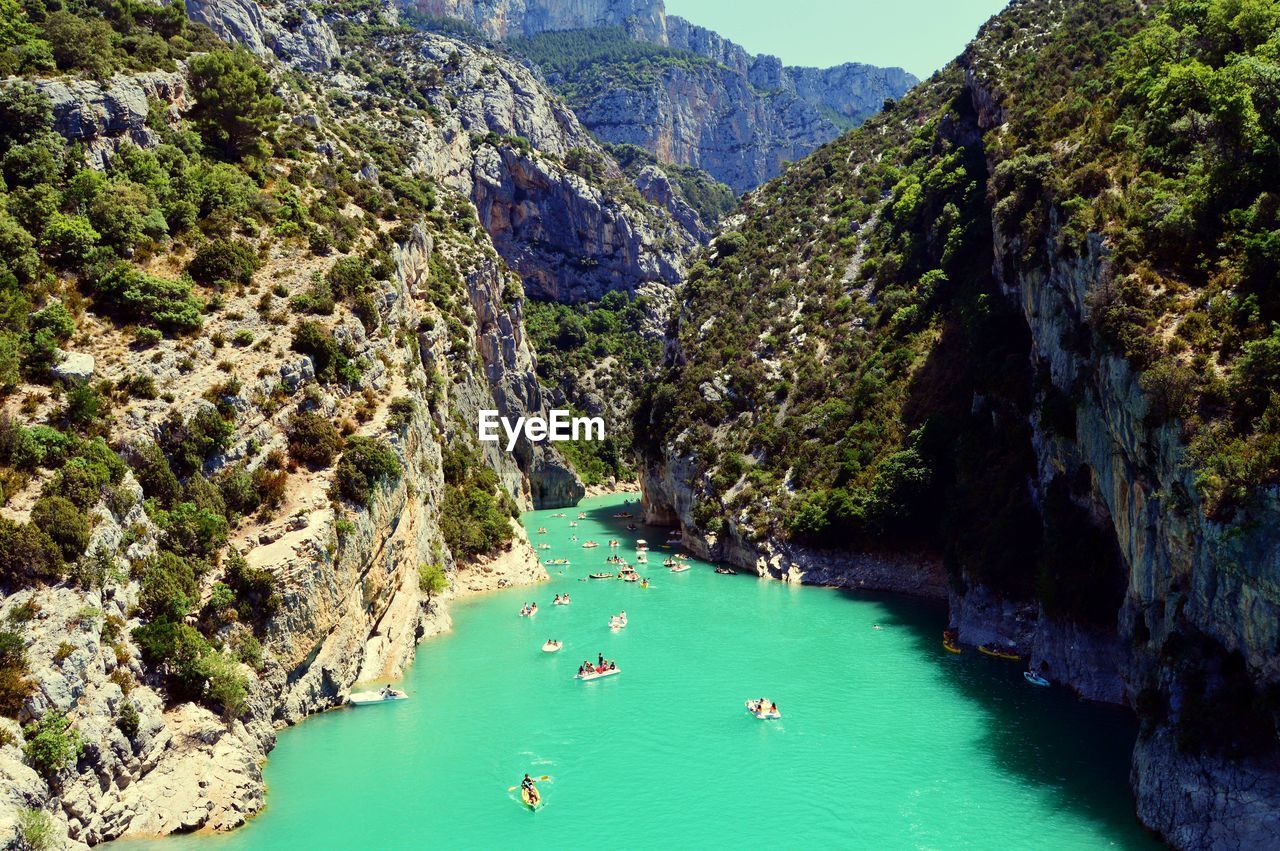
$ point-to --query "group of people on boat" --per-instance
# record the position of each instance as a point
(763, 708)
(601, 666)
(619, 620)
(561, 600)
(528, 609)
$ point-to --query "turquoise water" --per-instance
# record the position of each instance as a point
(886, 740)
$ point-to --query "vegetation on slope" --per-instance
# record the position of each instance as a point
(1161, 131)
(596, 351)
(141, 261)
(581, 64)
(708, 197)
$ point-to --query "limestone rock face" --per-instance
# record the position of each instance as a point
(289, 31)
(739, 117)
(104, 115)
(510, 18)
(506, 141)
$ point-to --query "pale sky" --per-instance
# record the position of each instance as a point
(919, 35)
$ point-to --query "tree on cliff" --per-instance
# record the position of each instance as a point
(235, 109)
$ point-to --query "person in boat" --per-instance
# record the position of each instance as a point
(582, 669)
(527, 785)
(533, 608)
(600, 660)
(773, 708)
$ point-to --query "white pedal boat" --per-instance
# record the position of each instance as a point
(596, 675)
(753, 706)
(367, 698)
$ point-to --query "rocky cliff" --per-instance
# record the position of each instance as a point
(959, 284)
(700, 100)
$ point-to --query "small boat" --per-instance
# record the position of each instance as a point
(552, 646)
(529, 611)
(596, 675)
(582, 515)
(556, 561)
(755, 707)
(560, 514)
(617, 623)
(542, 530)
(544, 546)
(589, 545)
(726, 571)
(562, 602)
(641, 558)
(680, 557)
(670, 562)
(681, 568)
(950, 641)
(368, 698)
(999, 652)
(1034, 678)
(573, 522)
(630, 576)
(532, 800)
(644, 583)
(623, 514)
(602, 576)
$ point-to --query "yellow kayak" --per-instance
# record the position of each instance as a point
(532, 801)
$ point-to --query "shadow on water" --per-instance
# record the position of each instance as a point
(1046, 736)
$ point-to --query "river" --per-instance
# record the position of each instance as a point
(886, 740)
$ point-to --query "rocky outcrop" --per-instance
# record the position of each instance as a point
(103, 115)
(289, 31)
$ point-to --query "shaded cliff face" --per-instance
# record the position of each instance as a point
(840, 389)
(694, 98)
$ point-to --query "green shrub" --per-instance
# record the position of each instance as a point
(177, 649)
(137, 296)
(27, 553)
(313, 439)
(36, 831)
(66, 524)
(52, 744)
(128, 722)
(254, 587)
(168, 589)
(432, 579)
(223, 261)
(227, 686)
(331, 362)
(81, 43)
(192, 531)
(364, 463)
(15, 686)
(69, 240)
(188, 442)
(151, 469)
